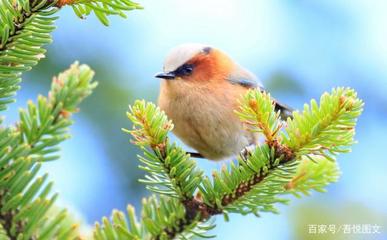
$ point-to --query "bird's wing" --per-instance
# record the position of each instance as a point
(244, 78)
(247, 79)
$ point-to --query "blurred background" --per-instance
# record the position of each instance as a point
(299, 49)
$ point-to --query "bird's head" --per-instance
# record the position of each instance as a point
(196, 63)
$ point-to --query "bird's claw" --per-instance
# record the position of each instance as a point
(195, 155)
(247, 151)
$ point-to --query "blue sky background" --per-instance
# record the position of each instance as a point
(299, 49)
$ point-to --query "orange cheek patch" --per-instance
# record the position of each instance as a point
(213, 66)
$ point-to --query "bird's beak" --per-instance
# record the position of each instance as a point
(164, 75)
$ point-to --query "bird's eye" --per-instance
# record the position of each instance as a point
(184, 70)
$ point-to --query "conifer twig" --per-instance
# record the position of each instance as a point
(24, 199)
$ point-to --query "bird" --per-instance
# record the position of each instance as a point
(199, 91)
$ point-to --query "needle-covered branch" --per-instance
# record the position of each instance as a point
(254, 184)
(44, 125)
(327, 128)
(101, 8)
(26, 201)
(24, 29)
(257, 111)
(161, 219)
(170, 170)
(313, 176)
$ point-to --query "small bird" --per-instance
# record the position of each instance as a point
(199, 92)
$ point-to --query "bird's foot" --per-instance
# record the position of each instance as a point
(247, 151)
(195, 155)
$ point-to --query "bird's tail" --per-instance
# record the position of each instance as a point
(285, 110)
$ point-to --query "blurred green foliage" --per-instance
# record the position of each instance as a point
(105, 109)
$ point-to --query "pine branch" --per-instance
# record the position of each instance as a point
(326, 129)
(26, 202)
(256, 183)
(172, 173)
(249, 186)
(24, 29)
(257, 111)
(101, 8)
(313, 175)
(43, 126)
(161, 219)
(25, 199)
(260, 179)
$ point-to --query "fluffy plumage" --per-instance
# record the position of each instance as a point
(201, 95)
(182, 54)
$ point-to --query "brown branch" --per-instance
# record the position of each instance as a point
(244, 187)
(6, 220)
(196, 209)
